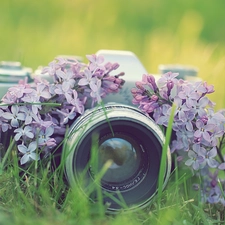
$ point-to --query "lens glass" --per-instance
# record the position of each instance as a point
(123, 156)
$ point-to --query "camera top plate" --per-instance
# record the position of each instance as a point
(12, 72)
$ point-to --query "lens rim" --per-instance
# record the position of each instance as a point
(97, 117)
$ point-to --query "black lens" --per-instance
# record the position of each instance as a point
(124, 155)
(130, 142)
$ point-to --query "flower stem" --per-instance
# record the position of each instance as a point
(218, 149)
(162, 168)
(9, 150)
(33, 103)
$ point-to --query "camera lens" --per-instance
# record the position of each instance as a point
(129, 141)
(124, 156)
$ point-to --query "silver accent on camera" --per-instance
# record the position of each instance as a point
(11, 73)
(133, 69)
(185, 72)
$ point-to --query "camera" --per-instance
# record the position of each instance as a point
(11, 73)
(125, 141)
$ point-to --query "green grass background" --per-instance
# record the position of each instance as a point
(157, 31)
(187, 32)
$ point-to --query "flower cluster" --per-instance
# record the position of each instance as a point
(198, 130)
(38, 113)
(213, 189)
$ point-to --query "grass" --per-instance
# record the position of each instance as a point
(159, 32)
(37, 194)
(40, 197)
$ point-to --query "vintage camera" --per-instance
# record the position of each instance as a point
(127, 140)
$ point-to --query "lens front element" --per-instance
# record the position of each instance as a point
(123, 156)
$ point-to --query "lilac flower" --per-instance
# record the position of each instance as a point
(67, 79)
(189, 96)
(110, 84)
(167, 77)
(216, 135)
(149, 107)
(49, 121)
(54, 66)
(198, 131)
(88, 79)
(42, 91)
(23, 132)
(213, 178)
(111, 66)
(222, 165)
(19, 90)
(181, 109)
(177, 145)
(161, 115)
(44, 137)
(149, 80)
(46, 108)
(75, 101)
(15, 116)
(200, 106)
(4, 126)
(169, 85)
(67, 115)
(190, 116)
(214, 195)
(28, 152)
(95, 94)
(95, 61)
(208, 157)
(209, 88)
(186, 137)
(194, 160)
(32, 98)
(31, 114)
(140, 87)
(216, 118)
(203, 130)
(59, 89)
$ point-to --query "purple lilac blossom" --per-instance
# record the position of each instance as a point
(28, 152)
(39, 113)
(194, 160)
(208, 157)
(15, 116)
(189, 95)
(212, 191)
(23, 132)
(198, 131)
(95, 62)
(195, 121)
(88, 79)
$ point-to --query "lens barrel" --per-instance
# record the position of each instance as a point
(127, 139)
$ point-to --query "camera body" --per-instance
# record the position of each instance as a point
(125, 143)
(11, 73)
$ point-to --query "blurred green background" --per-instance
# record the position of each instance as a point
(189, 32)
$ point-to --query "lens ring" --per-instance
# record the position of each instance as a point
(121, 118)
